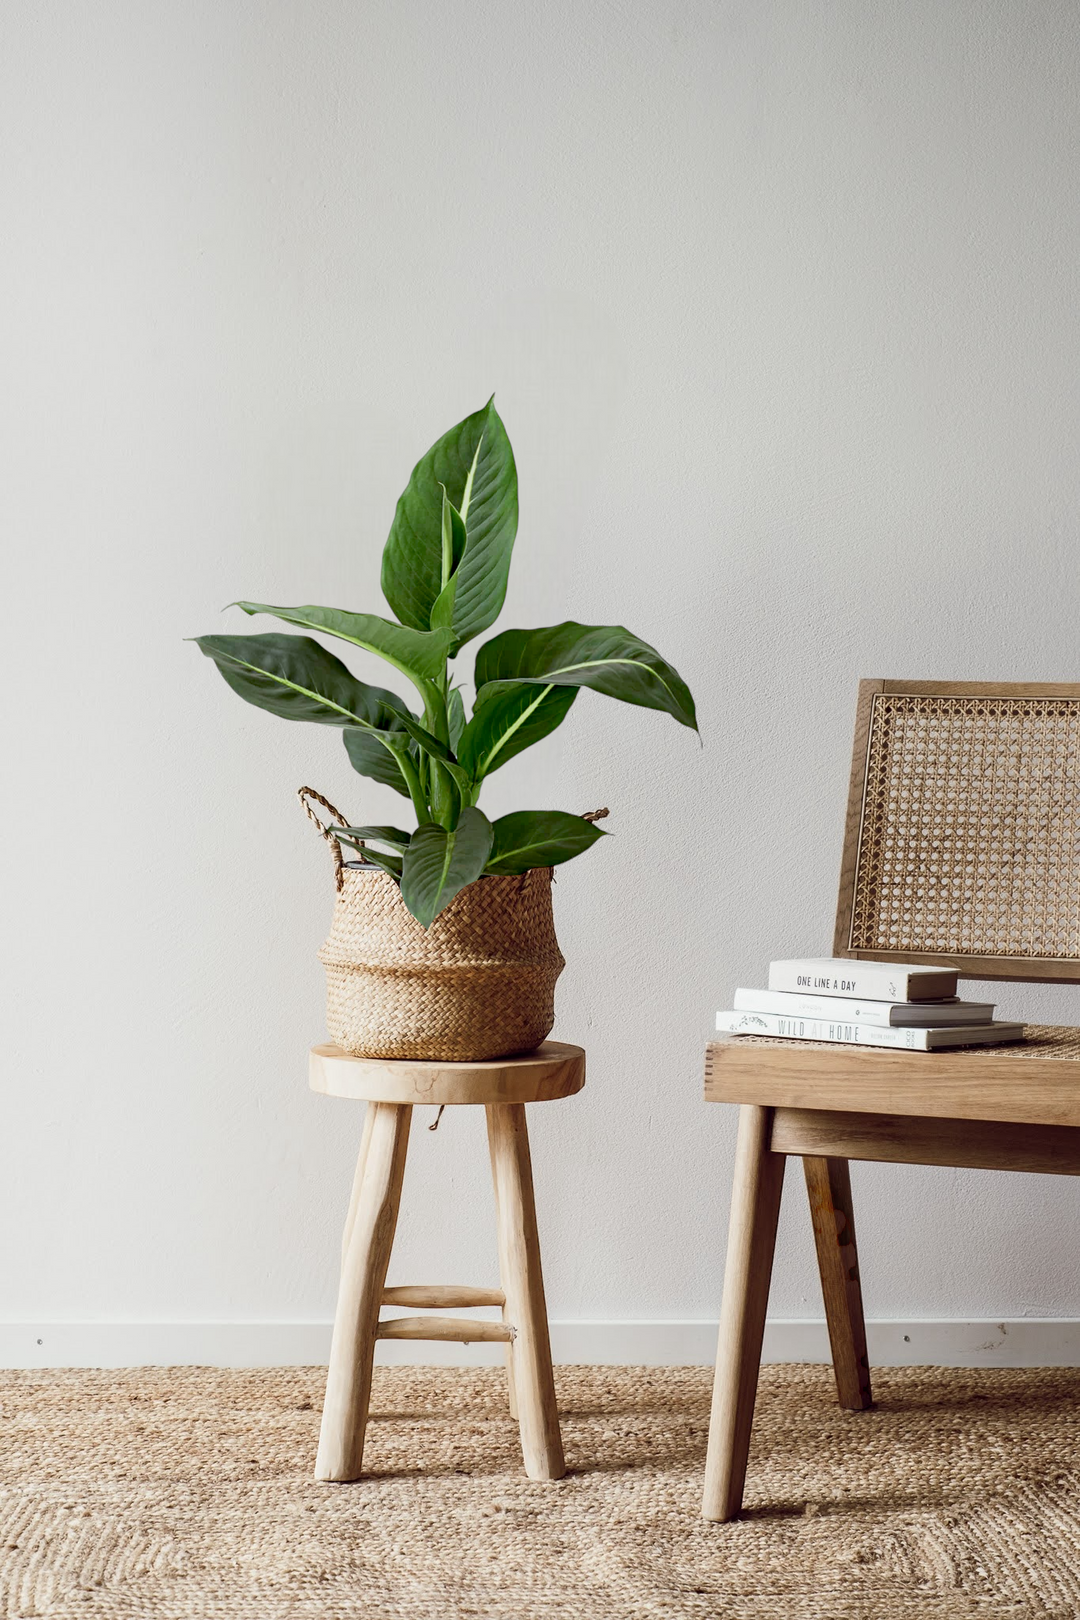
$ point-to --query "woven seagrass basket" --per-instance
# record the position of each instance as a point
(478, 984)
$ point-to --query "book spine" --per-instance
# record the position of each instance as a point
(787, 1004)
(820, 1029)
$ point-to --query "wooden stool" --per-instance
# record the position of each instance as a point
(391, 1090)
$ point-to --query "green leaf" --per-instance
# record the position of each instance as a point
(530, 838)
(606, 657)
(455, 714)
(437, 750)
(394, 836)
(442, 613)
(296, 678)
(439, 864)
(387, 863)
(508, 718)
(474, 464)
(421, 655)
(453, 535)
(373, 758)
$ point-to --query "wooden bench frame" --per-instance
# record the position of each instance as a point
(1006, 1108)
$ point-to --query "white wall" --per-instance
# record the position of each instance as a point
(780, 304)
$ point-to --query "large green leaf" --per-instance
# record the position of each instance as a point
(372, 758)
(439, 864)
(529, 838)
(606, 657)
(508, 718)
(394, 836)
(474, 465)
(296, 678)
(421, 655)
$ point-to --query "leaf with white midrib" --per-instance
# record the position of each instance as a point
(510, 718)
(608, 658)
(526, 839)
(438, 864)
(419, 654)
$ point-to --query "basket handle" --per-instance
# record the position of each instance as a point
(595, 815)
(304, 794)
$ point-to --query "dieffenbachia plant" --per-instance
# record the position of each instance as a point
(444, 574)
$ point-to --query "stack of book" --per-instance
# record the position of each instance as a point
(865, 1004)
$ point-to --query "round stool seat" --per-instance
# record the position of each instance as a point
(553, 1070)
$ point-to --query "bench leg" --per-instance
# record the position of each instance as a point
(755, 1209)
(370, 1237)
(828, 1184)
(532, 1385)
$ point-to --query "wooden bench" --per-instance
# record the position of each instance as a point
(962, 849)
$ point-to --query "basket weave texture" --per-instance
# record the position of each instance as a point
(478, 984)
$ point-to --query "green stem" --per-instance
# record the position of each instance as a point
(436, 715)
(445, 798)
(445, 801)
(412, 782)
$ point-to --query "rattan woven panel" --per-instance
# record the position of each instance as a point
(970, 839)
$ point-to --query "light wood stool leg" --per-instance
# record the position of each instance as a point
(363, 1275)
(755, 1209)
(511, 1387)
(511, 1391)
(828, 1185)
(358, 1179)
(519, 1263)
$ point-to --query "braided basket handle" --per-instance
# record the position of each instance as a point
(305, 794)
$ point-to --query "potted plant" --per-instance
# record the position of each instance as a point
(442, 943)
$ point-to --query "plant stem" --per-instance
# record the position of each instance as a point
(412, 782)
(445, 802)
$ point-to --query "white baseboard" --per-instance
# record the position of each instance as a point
(1024, 1342)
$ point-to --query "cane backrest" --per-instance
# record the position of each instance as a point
(962, 845)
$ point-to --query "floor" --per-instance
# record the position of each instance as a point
(187, 1494)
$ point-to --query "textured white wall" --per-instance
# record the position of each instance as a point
(780, 304)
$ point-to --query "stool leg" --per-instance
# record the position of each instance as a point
(828, 1185)
(532, 1382)
(755, 1209)
(358, 1179)
(363, 1275)
(511, 1387)
(508, 1356)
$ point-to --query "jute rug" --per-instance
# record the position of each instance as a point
(187, 1495)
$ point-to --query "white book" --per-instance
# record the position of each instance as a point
(823, 1029)
(865, 981)
(882, 1014)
